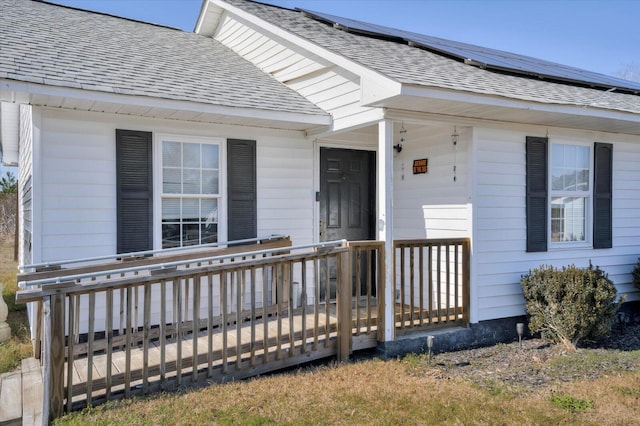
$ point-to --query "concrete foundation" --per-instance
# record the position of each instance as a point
(484, 333)
(445, 340)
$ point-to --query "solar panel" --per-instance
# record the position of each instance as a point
(481, 56)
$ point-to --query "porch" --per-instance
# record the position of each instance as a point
(143, 324)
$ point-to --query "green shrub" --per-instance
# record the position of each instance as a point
(570, 304)
(636, 274)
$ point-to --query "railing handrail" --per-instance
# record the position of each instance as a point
(430, 241)
(135, 254)
(168, 265)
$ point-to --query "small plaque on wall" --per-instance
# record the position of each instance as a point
(420, 166)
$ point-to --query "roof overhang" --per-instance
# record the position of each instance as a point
(465, 105)
(145, 106)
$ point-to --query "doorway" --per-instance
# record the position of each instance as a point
(347, 202)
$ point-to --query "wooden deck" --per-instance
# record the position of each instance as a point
(215, 316)
(170, 364)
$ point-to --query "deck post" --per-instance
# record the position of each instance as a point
(466, 281)
(56, 348)
(381, 292)
(343, 297)
(384, 186)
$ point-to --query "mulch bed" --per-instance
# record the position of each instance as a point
(536, 363)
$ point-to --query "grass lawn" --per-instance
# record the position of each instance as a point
(19, 346)
(404, 391)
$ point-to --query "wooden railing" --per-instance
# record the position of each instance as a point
(431, 283)
(121, 332)
(368, 271)
(135, 264)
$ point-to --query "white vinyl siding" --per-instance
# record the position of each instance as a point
(431, 205)
(79, 175)
(499, 233)
(333, 89)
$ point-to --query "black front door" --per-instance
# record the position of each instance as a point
(347, 198)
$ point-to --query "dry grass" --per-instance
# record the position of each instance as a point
(19, 346)
(374, 392)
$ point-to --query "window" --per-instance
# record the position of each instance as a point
(570, 192)
(574, 205)
(190, 192)
(175, 196)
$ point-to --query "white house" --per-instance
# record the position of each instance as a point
(262, 107)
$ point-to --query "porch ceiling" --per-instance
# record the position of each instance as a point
(585, 117)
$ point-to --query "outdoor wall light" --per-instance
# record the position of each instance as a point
(403, 133)
(520, 330)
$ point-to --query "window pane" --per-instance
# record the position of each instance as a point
(190, 234)
(191, 179)
(210, 183)
(582, 180)
(171, 183)
(170, 210)
(568, 219)
(210, 157)
(171, 154)
(210, 211)
(191, 153)
(209, 234)
(190, 210)
(570, 168)
(570, 156)
(557, 168)
(170, 235)
(582, 157)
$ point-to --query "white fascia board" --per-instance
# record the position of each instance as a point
(347, 124)
(294, 42)
(9, 87)
(205, 24)
(490, 100)
(9, 133)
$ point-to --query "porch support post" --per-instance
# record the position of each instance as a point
(384, 187)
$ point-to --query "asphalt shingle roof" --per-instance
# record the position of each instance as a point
(60, 46)
(415, 66)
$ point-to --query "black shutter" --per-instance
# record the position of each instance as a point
(602, 195)
(537, 198)
(134, 191)
(241, 189)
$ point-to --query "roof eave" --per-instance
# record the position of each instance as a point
(461, 105)
(24, 92)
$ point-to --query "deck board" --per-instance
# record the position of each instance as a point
(171, 362)
(32, 392)
(10, 396)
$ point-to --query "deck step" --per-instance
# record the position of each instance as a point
(11, 398)
(32, 402)
(21, 395)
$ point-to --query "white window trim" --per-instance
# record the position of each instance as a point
(588, 242)
(158, 138)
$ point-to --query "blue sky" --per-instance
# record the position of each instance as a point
(597, 35)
